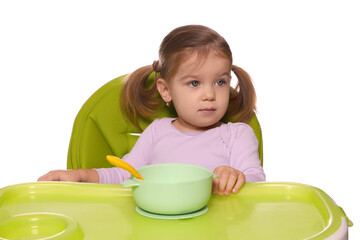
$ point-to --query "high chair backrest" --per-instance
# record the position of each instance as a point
(100, 129)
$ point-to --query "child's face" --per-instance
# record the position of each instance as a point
(200, 92)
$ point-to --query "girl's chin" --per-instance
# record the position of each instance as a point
(195, 127)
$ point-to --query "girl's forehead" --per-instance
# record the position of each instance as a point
(195, 62)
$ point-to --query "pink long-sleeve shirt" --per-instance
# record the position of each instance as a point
(231, 144)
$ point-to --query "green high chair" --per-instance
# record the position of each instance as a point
(261, 210)
(100, 128)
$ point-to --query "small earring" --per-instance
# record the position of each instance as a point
(168, 104)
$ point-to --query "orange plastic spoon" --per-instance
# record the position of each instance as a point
(124, 165)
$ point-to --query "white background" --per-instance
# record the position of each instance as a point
(303, 56)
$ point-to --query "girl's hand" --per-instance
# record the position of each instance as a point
(229, 180)
(78, 175)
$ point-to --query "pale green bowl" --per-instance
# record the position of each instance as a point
(171, 188)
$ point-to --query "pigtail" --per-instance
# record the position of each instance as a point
(242, 104)
(138, 100)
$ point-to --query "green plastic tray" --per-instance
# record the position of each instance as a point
(107, 211)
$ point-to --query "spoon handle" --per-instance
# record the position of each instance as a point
(124, 165)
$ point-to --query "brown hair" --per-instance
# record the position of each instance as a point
(139, 100)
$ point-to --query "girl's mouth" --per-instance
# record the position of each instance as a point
(207, 110)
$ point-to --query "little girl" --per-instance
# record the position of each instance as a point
(193, 74)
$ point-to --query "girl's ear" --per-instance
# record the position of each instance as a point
(163, 89)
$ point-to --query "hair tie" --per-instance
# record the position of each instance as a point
(155, 66)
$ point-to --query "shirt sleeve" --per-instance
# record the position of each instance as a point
(138, 157)
(244, 155)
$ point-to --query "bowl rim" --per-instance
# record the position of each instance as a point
(211, 174)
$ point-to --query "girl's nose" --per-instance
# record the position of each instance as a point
(209, 94)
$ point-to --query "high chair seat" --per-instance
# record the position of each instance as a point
(100, 128)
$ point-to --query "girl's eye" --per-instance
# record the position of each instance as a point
(194, 83)
(220, 82)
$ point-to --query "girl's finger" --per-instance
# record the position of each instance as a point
(232, 180)
(215, 184)
(223, 179)
(215, 181)
(240, 181)
(47, 177)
